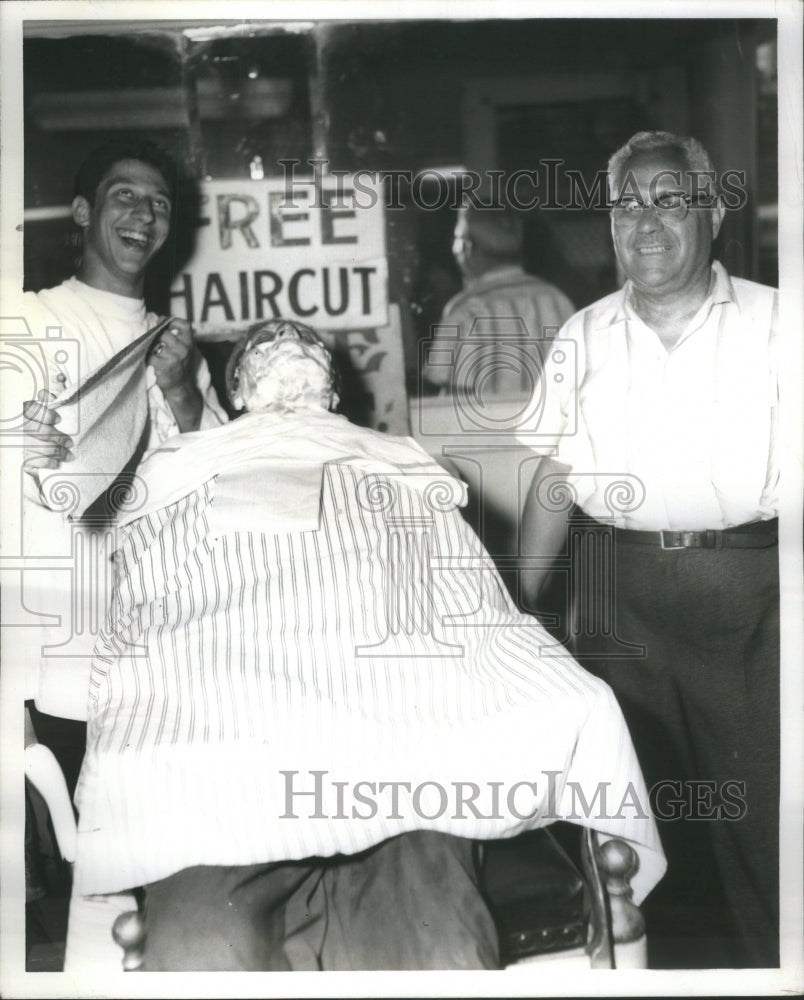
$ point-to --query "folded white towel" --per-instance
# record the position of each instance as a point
(269, 469)
(109, 411)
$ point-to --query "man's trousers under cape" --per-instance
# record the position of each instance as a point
(264, 697)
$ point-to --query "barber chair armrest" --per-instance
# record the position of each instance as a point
(45, 774)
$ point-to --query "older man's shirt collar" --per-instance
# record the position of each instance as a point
(720, 291)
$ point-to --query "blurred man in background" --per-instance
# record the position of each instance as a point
(500, 305)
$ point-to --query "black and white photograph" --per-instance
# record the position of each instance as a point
(501, 688)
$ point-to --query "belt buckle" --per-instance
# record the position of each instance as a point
(707, 539)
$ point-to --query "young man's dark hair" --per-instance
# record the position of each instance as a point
(101, 160)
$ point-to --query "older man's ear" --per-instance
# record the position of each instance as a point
(718, 213)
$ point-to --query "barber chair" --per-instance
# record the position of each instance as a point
(547, 907)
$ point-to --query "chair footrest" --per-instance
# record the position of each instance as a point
(536, 895)
(540, 939)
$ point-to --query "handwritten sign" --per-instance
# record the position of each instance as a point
(312, 250)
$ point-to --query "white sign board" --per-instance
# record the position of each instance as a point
(311, 250)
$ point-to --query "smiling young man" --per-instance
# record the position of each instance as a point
(668, 445)
(123, 205)
(125, 223)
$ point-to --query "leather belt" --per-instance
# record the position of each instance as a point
(729, 538)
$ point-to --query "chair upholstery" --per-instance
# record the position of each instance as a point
(536, 895)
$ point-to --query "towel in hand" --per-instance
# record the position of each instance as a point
(109, 411)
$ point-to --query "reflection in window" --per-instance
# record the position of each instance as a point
(253, 103)
(767, 210)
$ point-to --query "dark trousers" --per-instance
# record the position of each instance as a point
(410, 903)
(702, 706)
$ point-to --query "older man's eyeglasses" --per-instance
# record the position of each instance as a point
(669, 205)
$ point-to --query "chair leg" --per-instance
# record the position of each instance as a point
(91, 949)
(618, 927)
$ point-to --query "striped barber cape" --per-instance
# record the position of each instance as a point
(309, 651)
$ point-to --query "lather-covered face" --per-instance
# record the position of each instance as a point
(282, 366)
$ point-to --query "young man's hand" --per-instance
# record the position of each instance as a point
(45, 447)
(171, 356)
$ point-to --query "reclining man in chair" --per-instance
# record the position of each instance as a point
(313, 695)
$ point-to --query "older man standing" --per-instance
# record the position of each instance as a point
(677, 396)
